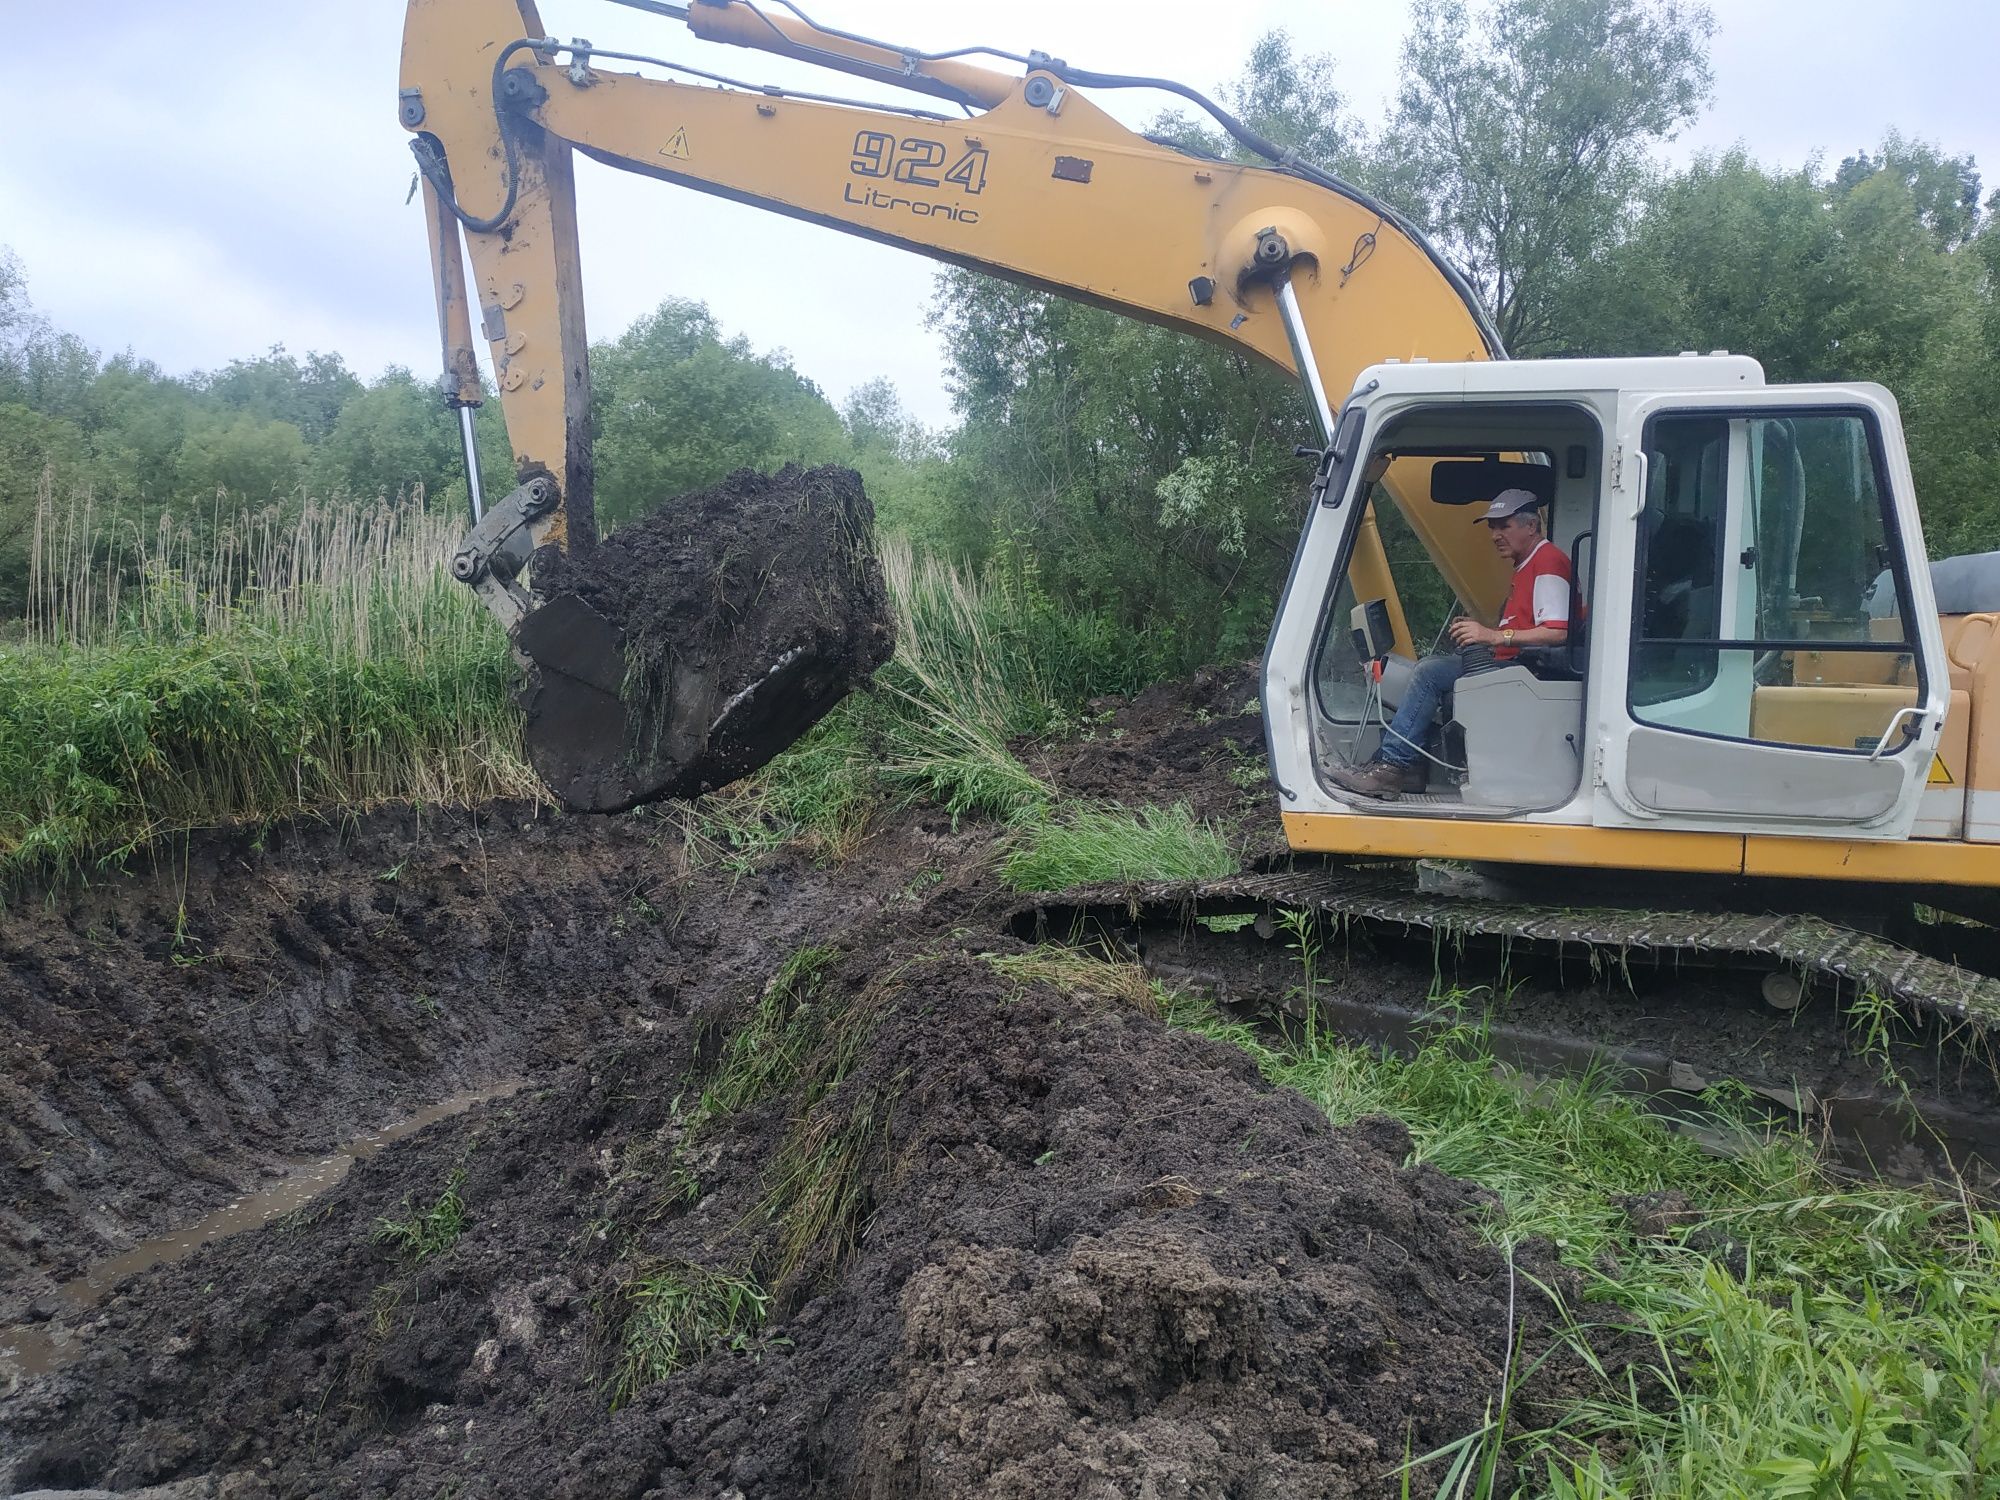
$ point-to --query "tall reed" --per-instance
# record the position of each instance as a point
(251, 665)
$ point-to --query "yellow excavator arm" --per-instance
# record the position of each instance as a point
(1034, 183)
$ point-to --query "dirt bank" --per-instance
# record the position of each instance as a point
(1045, 1246)
(173, 1038)
(1200, 742)
(1014, 1235)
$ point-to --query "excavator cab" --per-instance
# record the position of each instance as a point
(1754, 655)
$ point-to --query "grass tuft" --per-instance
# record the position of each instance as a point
(676, 1314)
(1091, 845)
(791, 1023)
(1078, 973)
(421, 1233)
(819, 1187)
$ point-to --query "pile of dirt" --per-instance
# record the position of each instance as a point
(1018, 1235)
(693, 645)
(1199, 742)
(1020, 1238)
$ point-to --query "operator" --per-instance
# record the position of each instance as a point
(1536, 614)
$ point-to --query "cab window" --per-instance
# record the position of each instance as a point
(1772, 591)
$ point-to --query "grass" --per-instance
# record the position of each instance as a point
(782, 1037)
(420, 1233)
(1088, 845)
(980, 664)
(819, 1192)
(293, 661)
(284, 664)
(800, 1042)
(1813, 1337)
(676, 1313)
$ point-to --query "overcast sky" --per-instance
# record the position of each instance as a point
(199, 181)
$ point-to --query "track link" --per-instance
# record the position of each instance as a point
(1946, 1127)
(1388, 899)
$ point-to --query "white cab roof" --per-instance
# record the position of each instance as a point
(1686, 372)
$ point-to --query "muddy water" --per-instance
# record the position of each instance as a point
(35, 1349)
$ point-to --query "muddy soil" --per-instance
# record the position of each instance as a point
(694, 644)
(172, 1039)
(1199, 742)
(1019, 1237)
(1047, 1246)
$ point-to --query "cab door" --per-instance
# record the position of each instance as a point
(1783, 670)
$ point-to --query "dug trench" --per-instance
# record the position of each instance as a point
(815, 1182)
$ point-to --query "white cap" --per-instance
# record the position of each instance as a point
(1510, 502)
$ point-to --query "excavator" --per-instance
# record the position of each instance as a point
(1760, 721)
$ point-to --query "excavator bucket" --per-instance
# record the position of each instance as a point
(690, 647)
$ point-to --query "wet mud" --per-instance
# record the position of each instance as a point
(1044, 1245)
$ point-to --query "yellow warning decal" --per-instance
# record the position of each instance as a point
(677, 145)
(1939, 775)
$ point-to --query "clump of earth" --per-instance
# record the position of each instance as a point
(694, 644)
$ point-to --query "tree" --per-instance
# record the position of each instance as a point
(875, 420)
(1521, 133)
(1135, 470)
(392, 439)
(1880, 272)
(1944, 190)
(678, 408)
(278, 387)
(14, 315)
(251, 460)
(1127, 468)
(1288, 98)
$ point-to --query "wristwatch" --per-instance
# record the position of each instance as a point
(1507, 636)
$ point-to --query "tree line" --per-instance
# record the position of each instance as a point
(1142, 473)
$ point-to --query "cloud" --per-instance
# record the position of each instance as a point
(229, 174)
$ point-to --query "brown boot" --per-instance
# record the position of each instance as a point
(1380, 779)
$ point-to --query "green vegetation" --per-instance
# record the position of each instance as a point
(271, 668)
(276, 668)
(1118, 502)
(420, 1233)
(1090, 844)
(676, 1313)
(783, 1033)
(800, 1042)
(818, 1195)
(1809, 1337)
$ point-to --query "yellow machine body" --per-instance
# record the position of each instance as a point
(1041, 186)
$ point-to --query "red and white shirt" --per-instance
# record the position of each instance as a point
(1539, 595)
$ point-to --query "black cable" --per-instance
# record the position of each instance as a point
(431, 162)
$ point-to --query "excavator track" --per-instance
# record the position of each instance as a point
(1940, 1121)
(1387, 898)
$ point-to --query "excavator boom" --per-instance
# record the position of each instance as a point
(1036, 184)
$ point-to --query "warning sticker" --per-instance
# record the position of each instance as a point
(1939, 776)
(677, 145)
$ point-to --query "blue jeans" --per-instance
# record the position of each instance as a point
(1421, 698)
